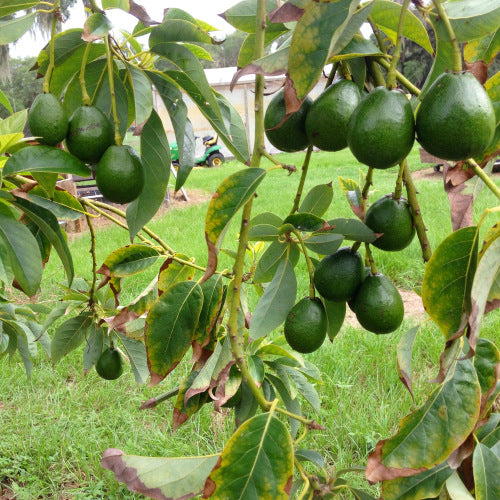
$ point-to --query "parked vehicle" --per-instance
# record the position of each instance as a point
(212, 156)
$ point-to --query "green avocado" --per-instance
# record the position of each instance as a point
(305, 325)
(90, 133)
(456, 119)
(378, 305)
(381, 130)
(119, 175)
(394, 219)
(47, 119)
(286, 135)
(109, 366)
(326, 120)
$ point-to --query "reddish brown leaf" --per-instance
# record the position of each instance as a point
(111, 460)
(211, 260)
(461, 453)
(292, 102)
(460, 203)
(376, 471)
(492, 305)
(253, 69)
(479, 69)
(210, 485)
(140, 12)
(178, 419)
(287, 13)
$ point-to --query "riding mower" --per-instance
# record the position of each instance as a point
(212, 157)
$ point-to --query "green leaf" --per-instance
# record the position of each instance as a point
(456, 488)
(116, 4)
(170, 477)
(486, 466)
(7, 141)
(62, 204)
(310, 456)
(276, 301)
(271, 258)
(9, 7)
(136, 353)
(50, 227)
(486, 363)
(430, 434)
(335, 314)
(263, 232)
(305, 388)
(14, 123)
(473, 19)
(96, 26)
(172, 272)
(483, 49)
(129, 260)
(257, 462)
(358, 47)
(245, 55)
(247, 406)
(177, 30)
(70, 335)
(170, 326)
(427, 484)
(242, 16)
(304, 222)
(317, 200)
(484, 280)
(213, 294)
(44, 159)
(230, 196)
(324, 243)
(448, 279)
(266, 218)
(405, 350)
(95, 345)
(184, 408)
(386, 16)
(489, 433)
(22, 251)
(314, 40)
(143, 95)
(12, 29)
(155, 155)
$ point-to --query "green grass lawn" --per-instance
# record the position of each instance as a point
(55, 425)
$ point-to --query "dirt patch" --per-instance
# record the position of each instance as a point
(412, 303)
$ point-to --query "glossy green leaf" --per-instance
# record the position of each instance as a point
(170, 326)
(9, 7)
(50, 227)
(310, 456)
(324, 243)
(386, 16)
(143, 94)
(405, 351)
(484, 280)
(97, 25)
(276, 301)
(448, 279)
(136, 353)
(486, 363)
(266, 218)
(169, 477)
(430, 434)
(245, 55)
(22, 251)
(177, 30)
(352, 229)
(268, 263)
(314, 40)
(263, 232)
(12, 29)
(172, 272)
(213, 294)
(483, 49)
(456, 489)
(473, 19)
(242, 16)
(116, 4)
(70, 335)
(305, 388)
(62, 204)
(44, 159)
(7, 141)
(317, 200)
(129, 260)
(427, 484)
(247, 406)
(489, 432)
(356, 48)
(335, 314)
(303, 222)
(177, 110)
(155, 155)
(486, 466)
(14, 123)
(230, 196)
(4, 101)
(257, 462)
(96, 341)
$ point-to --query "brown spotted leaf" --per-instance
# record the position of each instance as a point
(405, 350)
(186, 408)
(160, 477)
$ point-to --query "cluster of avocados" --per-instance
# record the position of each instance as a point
(89, 135)
(455, 120)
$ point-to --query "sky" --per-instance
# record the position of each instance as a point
(207, 10)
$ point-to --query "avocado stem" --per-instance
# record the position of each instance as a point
(418, 221)
(369, 258)
(391, 73)
(400, 77)
(456, 64)
(87, 101)
(366, 187)
(399, 182)
(50, 68)
(94, 260)
(300, 188)
(484, 177)
(310, 267)
(116, 121)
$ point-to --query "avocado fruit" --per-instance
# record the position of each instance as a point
(47, 119)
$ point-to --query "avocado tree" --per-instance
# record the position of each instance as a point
(449, 446)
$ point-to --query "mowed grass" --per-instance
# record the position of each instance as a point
(55, 425)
